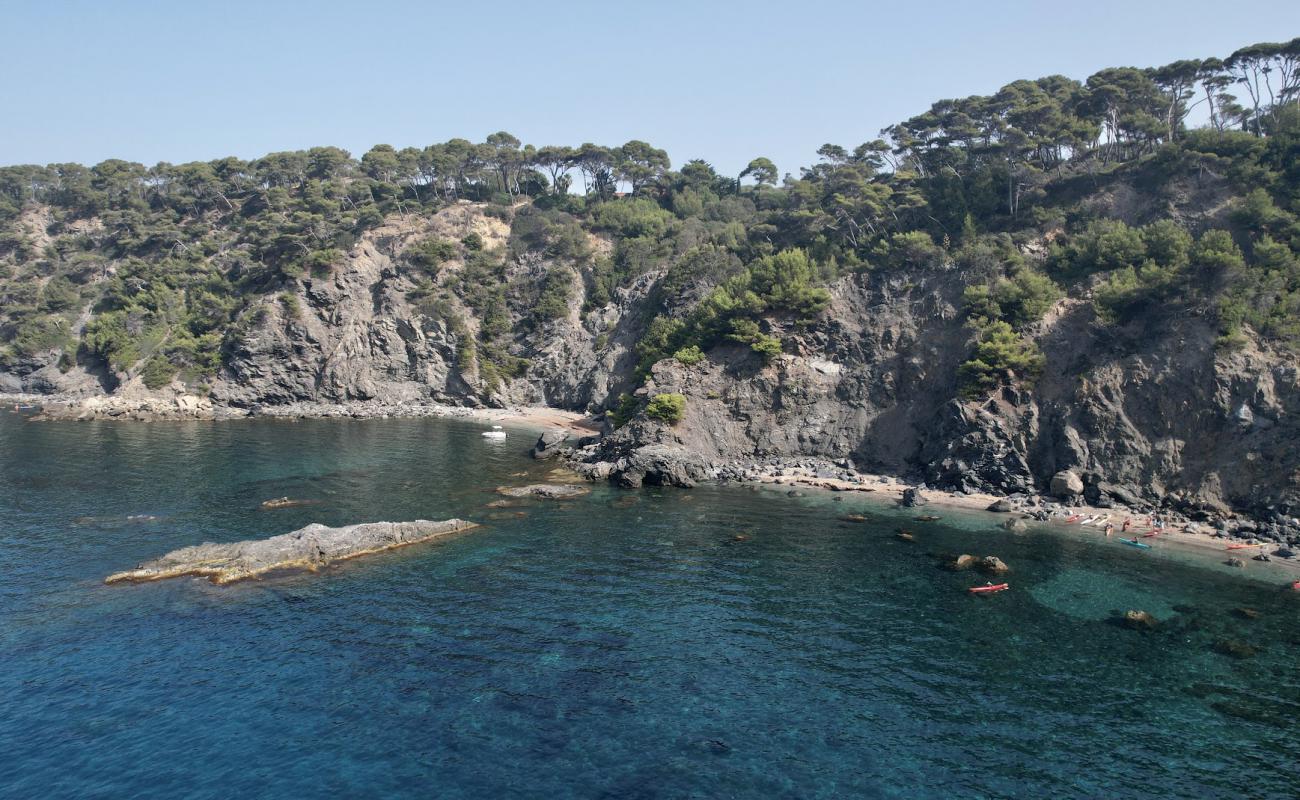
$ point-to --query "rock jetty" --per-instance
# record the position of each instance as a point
(307, 548)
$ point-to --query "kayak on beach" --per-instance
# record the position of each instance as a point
(1136, 543)
(1241, 546)
(989, 588)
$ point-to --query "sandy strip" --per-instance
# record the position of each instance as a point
(1182, 537)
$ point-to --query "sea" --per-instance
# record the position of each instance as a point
(719, 642)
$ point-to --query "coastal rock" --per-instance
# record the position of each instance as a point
(662, 465)
(1066, 484)
(306, 548)
(1015, 525)
(549, 444)
(911, 497)
(545, 491)
(1002, 506)
(993, 565)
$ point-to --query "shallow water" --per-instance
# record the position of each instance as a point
(617, 646)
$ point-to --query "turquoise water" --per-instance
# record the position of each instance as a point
(618, 646)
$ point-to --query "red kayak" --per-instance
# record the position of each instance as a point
(1242, 546)
(1295, 586)
(1149, 535)
(989, 589)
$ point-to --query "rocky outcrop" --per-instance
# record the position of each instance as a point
(549, 444)
(307, 548)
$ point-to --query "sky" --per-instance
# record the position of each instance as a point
(722, 81)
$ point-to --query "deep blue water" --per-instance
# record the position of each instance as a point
(618, 646)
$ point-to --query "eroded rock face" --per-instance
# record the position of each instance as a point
(306, 548)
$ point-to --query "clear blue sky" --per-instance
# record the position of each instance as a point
(724, 81)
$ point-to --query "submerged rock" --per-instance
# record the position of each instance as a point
(1015, 525)
(1235, 648)
(963, 561)
(546, 491)
(1140, 620)
(306, 548)
(282, 502)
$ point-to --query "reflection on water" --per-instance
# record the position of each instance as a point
(718, 643)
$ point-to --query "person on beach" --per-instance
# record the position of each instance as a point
(1127, 522)
(1110, 530)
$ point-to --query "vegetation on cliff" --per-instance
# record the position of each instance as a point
(1099, 190)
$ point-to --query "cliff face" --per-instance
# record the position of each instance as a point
(1144, 413)
(1159, 414)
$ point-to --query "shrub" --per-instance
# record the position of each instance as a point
(157, 372)
(553, 302)
(769, 347)
(430, 253)
(292, 308)
(689, 355)
(1019, 300)
(666, 408)
(626, 409)
(473, 242)
(1000, 353)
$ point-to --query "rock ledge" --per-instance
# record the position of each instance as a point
(307, 548)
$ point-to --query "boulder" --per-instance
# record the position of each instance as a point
(1066, 484)
(993, 565)
(307, 548)
(549, 444)
(911, 497)
(1016, 525)
(1002, 506)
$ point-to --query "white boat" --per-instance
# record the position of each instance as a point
(494, 434)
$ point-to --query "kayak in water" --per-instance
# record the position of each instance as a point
(1136, 543)
(989, 588)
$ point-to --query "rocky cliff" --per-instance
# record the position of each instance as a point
(1152, 412)
(1151, 416)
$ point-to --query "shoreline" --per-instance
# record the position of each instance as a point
(1179, 537)
(193, 408)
